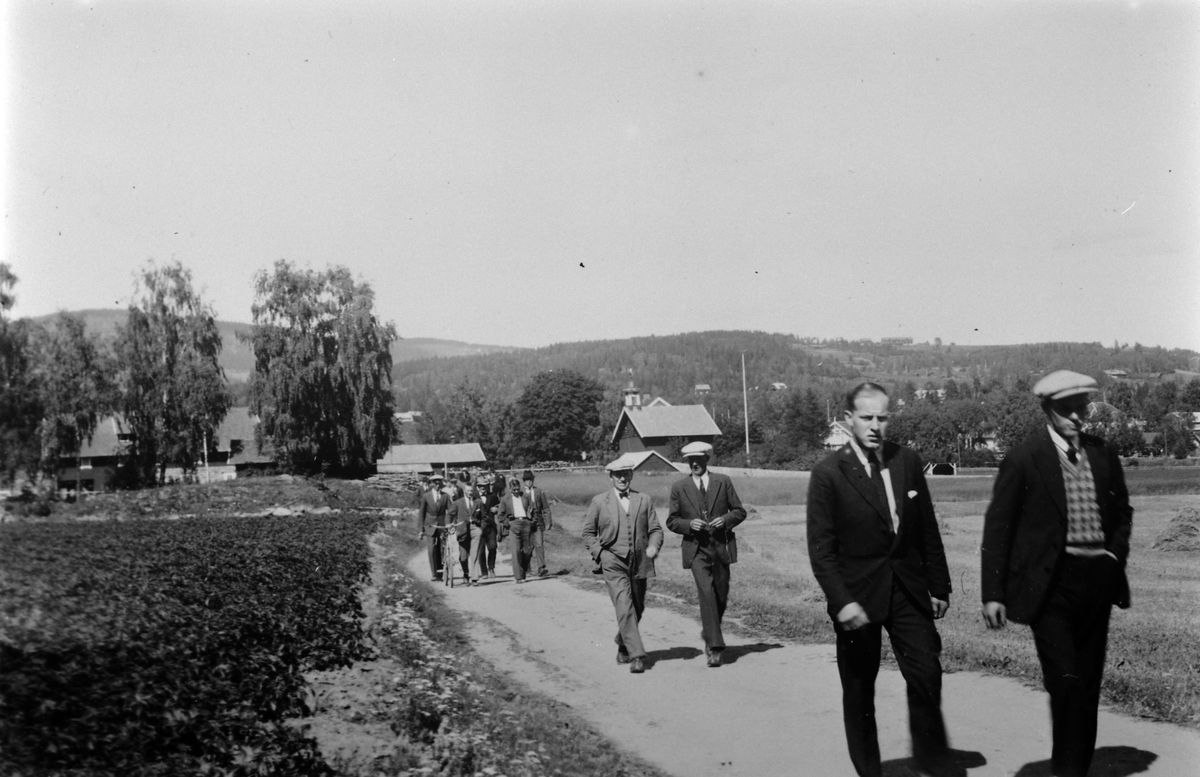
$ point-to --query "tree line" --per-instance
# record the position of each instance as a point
(321, 385)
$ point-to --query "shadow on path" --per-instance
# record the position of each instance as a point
(1119, 761)
(672, 654)
(959, 762)
(734, 652)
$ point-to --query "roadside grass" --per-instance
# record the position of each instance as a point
(1153, 663)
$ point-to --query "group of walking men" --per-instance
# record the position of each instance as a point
(1055, 543)
(482, 515)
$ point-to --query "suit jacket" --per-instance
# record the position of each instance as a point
(537, 507)
(722, 501)
(431, 512)
(600, 528)
(504, 512)
(854, 551)
(457, 513)
(1025, 527)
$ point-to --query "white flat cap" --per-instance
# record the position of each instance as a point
(620, 464)
(1061, 384)
(696, 449)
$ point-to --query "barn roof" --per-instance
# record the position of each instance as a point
(457, 453)
(669, 421)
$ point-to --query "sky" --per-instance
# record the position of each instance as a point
(526, 173)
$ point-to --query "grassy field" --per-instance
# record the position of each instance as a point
(579, 488)
(1153, 664)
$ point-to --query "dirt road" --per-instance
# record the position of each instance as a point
(774, 708)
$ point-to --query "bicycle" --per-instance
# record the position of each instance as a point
(449, 552)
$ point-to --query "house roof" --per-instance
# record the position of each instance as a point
(104, 440)
(635, 460)
(458, 453)
(669, 421)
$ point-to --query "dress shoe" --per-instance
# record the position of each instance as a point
(622, 656)
(714, 657)
(543, 573)
(637, 666)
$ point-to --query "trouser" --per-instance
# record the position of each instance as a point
(434, 548)
(520, 546)
(538, 536)
(712, 588)
(1071, 636)
(917, 646)
(628, 594)
(468, 554)
(487, 552)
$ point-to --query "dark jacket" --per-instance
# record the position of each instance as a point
(1025, 528)
(854, 551)
(722, 501)
(431, 512)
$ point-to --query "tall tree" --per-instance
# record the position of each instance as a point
(322, 381)
(554, 414)
(172, 389)
(802, 424)
(74, 372)
(1019, 416)
(20, 396)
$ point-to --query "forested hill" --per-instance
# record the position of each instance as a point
(671, 366)
(237, 359)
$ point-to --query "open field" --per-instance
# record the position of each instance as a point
(1153, 664)
(579, 488)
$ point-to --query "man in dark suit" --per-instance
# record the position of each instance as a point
(1055, 542)
(431, 514)
(490, 489)
(465, 513)
(876, 552)
(622, 534)
(538, 507)
(705, 508)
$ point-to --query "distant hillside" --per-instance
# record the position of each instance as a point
(672, 366)
(237, 359)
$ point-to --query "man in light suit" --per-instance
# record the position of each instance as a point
(538, 507)
(1055, 542)
(622, 534)
(705, 508)
(515, 521)
(431, 514)
(876, 552)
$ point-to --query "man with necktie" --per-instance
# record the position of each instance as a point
(515, 521)
(876, 552)
(538, 507)
(622, 534)
(704, 508)
(1055, 543)
(431, 515)
(466, 513)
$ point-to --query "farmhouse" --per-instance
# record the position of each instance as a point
(839, 435)
(424, 459)
(230, 451)
(660, 426)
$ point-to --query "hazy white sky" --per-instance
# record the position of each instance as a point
(523, 173)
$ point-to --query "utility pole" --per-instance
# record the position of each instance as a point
(745, 409)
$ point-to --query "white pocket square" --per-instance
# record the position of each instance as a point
(912, 494)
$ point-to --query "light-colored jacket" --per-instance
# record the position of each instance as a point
(600, 528)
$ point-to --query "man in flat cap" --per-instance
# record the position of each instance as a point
(622, 534)
(1055, 541)
(431, 515)
(705, 508)
(515, 521)
(876, 552)
(538, 507)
